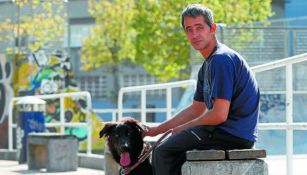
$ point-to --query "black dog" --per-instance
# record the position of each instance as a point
(125, 140)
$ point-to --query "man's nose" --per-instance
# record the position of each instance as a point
(194, 34)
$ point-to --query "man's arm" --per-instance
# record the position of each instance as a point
(195, 110)
(216, 116)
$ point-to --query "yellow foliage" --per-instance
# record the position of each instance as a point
(42, 27)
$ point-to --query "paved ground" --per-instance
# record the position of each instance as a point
(13, 168)
(277, 166)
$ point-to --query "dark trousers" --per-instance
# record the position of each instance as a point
(169, 156)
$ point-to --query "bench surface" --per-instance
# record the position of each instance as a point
(241, 154)
(238, 154)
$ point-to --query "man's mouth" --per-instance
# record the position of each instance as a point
(196, 42)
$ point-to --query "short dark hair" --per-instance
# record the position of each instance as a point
(195, 10)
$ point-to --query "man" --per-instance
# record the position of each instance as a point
(225, 110)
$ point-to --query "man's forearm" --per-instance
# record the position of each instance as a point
(181, 118)
(215, 116)
(207, 118)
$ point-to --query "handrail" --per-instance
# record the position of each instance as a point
(167, 86)
(279, 63)
(283, 126)
(114, 112)
(62, 122)
(288, 125)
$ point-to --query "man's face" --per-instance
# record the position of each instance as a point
(198, 32)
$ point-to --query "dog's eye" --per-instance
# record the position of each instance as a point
(130, 132)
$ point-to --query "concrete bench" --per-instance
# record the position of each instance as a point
(53, 151)
(110, 165)
(219, 162)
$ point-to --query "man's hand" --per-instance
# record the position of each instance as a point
(151, 131)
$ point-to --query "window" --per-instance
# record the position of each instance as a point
(96, 85)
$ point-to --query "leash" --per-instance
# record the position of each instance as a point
(144, 155)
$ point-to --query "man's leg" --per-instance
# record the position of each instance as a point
(169, 156)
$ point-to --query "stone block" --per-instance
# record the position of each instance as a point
(241, 154)
(55, 152)
(8, 155)
(205, 155)
(225, 167)
(111, 167)
(91, 161)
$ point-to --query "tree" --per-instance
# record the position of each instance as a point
(42, 27)
(149, 32)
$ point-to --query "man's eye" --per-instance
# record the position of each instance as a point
(199, 28)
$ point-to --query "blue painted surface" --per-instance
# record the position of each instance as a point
(103, 104)
(295, 8)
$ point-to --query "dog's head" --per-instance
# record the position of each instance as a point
(125, 140)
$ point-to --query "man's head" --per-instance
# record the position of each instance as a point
(198, 24)
(195, 10)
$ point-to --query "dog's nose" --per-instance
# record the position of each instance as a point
(124, 146)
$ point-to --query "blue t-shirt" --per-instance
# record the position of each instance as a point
(226, 75)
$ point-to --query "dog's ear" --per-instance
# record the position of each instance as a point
(134, 122)
(139, 126)
(136, 125)
(107, 129)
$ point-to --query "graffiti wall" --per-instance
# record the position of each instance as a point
(46, 73)
(6, 93)
(40, 73)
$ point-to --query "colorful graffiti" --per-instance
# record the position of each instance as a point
(42, 73)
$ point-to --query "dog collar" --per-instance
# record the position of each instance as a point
(144, 154)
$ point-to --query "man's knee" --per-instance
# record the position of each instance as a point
(164, 151)
(159, 150)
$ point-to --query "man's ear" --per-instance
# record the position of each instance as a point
(107, 129)
(213, 27)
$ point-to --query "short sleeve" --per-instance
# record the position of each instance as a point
(223, 75)
(199, 94)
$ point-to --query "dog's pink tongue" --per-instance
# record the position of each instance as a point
(125, 159)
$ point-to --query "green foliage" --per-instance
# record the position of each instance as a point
(45, 25)
(112, 39)
(149, 33)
